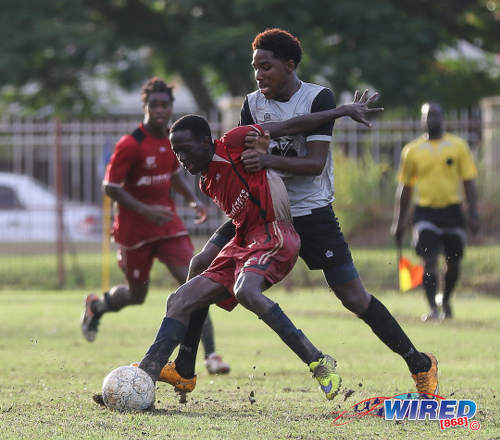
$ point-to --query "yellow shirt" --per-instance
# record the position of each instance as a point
(437, 168)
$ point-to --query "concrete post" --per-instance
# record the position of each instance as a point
(490, 111)
(230, 108)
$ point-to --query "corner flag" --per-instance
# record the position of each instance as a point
(410, 275)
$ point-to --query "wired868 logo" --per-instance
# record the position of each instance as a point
(414, 406)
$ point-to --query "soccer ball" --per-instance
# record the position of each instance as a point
(127, 389)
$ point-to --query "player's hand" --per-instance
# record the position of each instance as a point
(158, 214)
(360, 109)
(201, 212)
(257, 141)
(473, 223)
(253, 161)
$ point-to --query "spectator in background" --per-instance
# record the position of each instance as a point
(138, 178)
(436, 164)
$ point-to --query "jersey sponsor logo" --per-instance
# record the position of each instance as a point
(153, 180)
(150, 162)
(239, 203)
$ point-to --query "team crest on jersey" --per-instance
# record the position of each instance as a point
(284, 147)
(267, 116)
(150, 162)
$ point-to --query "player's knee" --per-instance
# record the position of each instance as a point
(247, 297)
(354, 299)
(199, 263)
(178, 303)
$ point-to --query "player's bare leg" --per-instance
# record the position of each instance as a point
(186, 358)
(248, 290)
(117, 298)
(192, 296)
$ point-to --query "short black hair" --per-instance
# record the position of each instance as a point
(281, 43)
(155, 85)
(197, 125)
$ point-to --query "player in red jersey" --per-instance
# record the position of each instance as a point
(264, 248)
(138, 178)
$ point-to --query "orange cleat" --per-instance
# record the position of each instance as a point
(427, 381)
(170, 375)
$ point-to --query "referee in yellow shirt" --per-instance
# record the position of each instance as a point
(435, 165)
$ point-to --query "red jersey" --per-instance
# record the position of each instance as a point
(248, 199)
(144, 166)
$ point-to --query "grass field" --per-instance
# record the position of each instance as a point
(376, 266)
(49, 372)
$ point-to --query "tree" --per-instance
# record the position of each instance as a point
(50, 50)
(395, 46)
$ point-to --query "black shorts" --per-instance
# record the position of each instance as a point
(451, 216)
(322, 242)
(429, 243)
(439, 230)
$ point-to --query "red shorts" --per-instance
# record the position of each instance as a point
(136, 263)
(270, 250)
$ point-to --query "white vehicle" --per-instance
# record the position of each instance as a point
(28, 213)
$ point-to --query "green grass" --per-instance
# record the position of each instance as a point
(49, 372)
(377, 268)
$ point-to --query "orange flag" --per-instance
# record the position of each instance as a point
(410, 275)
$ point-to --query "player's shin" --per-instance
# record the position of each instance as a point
(275, 318)
(170, 334)
(385, 326)
(185, 362)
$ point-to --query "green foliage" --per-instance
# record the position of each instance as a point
(51, 51)
(363, 191)
(49, 372)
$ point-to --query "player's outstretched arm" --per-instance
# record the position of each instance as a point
(358, 110)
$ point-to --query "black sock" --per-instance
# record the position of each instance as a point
(430, 286)
(290, 335)
(100, 307)
(450, 280)
(186, 358)
(391, 334)
(207, 336)
(169, 335)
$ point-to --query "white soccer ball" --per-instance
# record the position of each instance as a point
(127, 389)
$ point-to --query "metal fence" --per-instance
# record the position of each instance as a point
(27, 147)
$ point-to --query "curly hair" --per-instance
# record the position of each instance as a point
(155, 85)
(197, 125)
(281, 43)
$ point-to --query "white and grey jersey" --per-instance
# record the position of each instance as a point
(304, 192)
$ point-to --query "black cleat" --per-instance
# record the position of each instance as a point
(97, 398)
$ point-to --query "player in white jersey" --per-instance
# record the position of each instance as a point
(306, 164)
